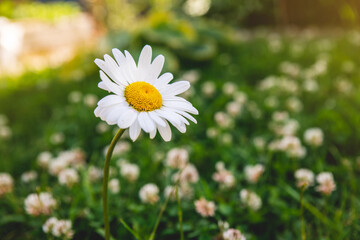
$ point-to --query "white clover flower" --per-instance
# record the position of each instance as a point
(6, 183)
(5, 132)
(57, 138)
(170, 192)
(223, 120)
(57, 165)
(68, 177)
(294, 104)
(208, 89)
(29, 176)
(114, 185)
(102, 127)
(43, 159)
(94, 173)
(58, 228)
(188, 175)
(314, 137)
(191, 76)
(149, 193)
(259, 143)
(250, 199)
(233, 234)
(205, 208)
(234, 108)
(75, 97)
(42, 203)
(90, 100)
(177, 158)
(280, 116)
(292, 146)
(326, 183)
(223, 176)
(196, 8)
(141, 99)
(229, 88)
(253, 173)
(240, 97)
(212, 132)
(121, 147)
(304, 178)
(129, 171)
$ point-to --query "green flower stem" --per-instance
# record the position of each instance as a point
(303, 233)
(106, 181)
(152, 236)
(179, 213)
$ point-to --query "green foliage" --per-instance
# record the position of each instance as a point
(47, 105)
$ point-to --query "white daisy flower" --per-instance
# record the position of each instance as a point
(141, 98)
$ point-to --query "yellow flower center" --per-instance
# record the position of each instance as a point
(143, 96)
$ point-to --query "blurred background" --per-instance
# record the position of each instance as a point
(260, 70)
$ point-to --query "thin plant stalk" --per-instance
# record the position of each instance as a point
(152, 235)
(303, 233)
(179, 213)
(106, 181)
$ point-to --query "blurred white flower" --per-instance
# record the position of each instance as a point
(326, 183)
(68, 177)
(294, 104)
(129, 171)
(205, 208)
(75, 97)
(310, 85)
(291, 69)
(5, 132)
(38, 204)
(6, 183)
(223, 120)
(234, 108)
(29, 176)
(314, 137)
(224, 177)
(233, 234)
(188, 175)
(121, 147)
(208, 89)
(94, 173)
(43, 159)
(212, 132)
(229, 88)
(102, 127)
(304, 178)
(149, 193)
(192, 76)
(292, 146)
(280, 116)
(177, 158)
(250, 199)
(170, 192)
(253, 173)
(59, 228)
(259, 143)
(240, 97)
(226, 138)
(114, 185)
(141, 99)
(196, 8)
(90, 100)
(57, 138)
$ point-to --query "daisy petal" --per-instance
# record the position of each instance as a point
(146, 122)
(119, 56)
(145, 58)
(127, 118)
(175, 88)
(158, 120)
(165, 132)
(153, 134)
(163, 80)
(134, 131)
